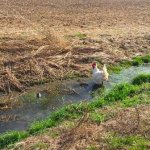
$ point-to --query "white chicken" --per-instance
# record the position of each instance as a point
(99, 75)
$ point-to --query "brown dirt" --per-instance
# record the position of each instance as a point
(130, 121)
(39, 41)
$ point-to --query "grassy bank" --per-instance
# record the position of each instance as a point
(136, 61)
(128, 142)
(125, 94)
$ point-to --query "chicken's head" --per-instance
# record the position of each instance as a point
(94, 65)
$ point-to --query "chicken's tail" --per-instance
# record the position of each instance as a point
(105, 73)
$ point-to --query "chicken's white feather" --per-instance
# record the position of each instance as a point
(99, 75)
(105, 72)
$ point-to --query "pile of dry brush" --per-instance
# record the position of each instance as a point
(25, 63)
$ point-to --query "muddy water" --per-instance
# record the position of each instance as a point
(56, 95)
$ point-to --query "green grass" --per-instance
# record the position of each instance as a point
(141, 97)
(118, 67)
(97, 117)
(11, 137)
(128, 142)
(80, 36)
(136, 61)
(120, 92)
(143, 78)
(136, 100)
(140, 60)
(146, 59)
(127, 94)
(91, 148)
(40, 125)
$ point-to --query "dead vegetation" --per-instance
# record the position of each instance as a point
(26, 64)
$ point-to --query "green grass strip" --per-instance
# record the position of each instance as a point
(143, 78)
(136, 61)
(12, 137)
(120, 92)
(128, 142)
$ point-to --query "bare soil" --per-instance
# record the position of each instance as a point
(58, 39)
